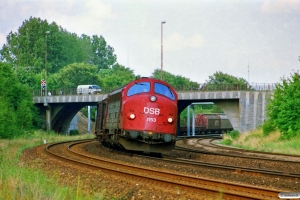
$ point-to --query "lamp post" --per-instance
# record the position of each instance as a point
(46, 100)
(161, 70)
(46, 87)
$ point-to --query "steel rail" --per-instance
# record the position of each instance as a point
(232, 155)
(249, 151)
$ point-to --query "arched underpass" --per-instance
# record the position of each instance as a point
(60, 115)
(61, 121)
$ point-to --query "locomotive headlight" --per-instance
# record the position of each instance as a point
(170, 120)
(131, 116)
(153, 98)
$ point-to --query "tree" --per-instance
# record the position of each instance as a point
(40, 47)
(75, 74)
(70, 49)
(102, 54)
(27, 47)
(222, 81)
(29, 76)
(18, 113)
(117, 76)
(284, 108)
(178, 82)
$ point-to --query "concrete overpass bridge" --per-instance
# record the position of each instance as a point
(245, 109)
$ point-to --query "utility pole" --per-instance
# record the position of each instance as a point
(48, 126)
(46, 84)
(248, 85)
(161, 70)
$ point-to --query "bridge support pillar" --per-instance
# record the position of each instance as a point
(232, 111)
(247, 112)
(48, 118)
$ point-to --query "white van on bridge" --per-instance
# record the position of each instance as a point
(88, 89)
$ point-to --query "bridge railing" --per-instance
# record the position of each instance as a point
(66, 91)
(202, 87)
(228, 87)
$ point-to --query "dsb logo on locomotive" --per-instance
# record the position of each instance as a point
(152, 111)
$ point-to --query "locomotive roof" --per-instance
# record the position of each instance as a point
(223, 116)
(210, 115)
(122, 87)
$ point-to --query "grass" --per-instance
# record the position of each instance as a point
(19, 182)
(255, 140)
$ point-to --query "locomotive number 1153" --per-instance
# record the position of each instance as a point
(151, 119)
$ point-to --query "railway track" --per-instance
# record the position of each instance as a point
(280, 156)
(208, 145)
(240, 169)
(201, 187)
(287, 164)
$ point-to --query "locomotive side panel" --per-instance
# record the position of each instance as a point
(225, 123)
(203, 121)
(209, 123)
(100, 119)
(198, 120)
(214, 122)
(113, 113)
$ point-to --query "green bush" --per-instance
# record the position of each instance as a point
(74, 132)
(234, 134)
(268, 127)
(286, 135)
(18, 114)
(283, 107)
(227, 141)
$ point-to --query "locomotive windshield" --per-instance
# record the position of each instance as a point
(163, 90)
(139, 88)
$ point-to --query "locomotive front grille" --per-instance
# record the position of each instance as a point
(149, 137)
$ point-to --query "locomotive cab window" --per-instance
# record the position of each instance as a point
(139, 88)
(163, 90)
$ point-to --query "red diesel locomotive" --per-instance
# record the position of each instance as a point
(140, 116)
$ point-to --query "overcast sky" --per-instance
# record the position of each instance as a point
(257, 40)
